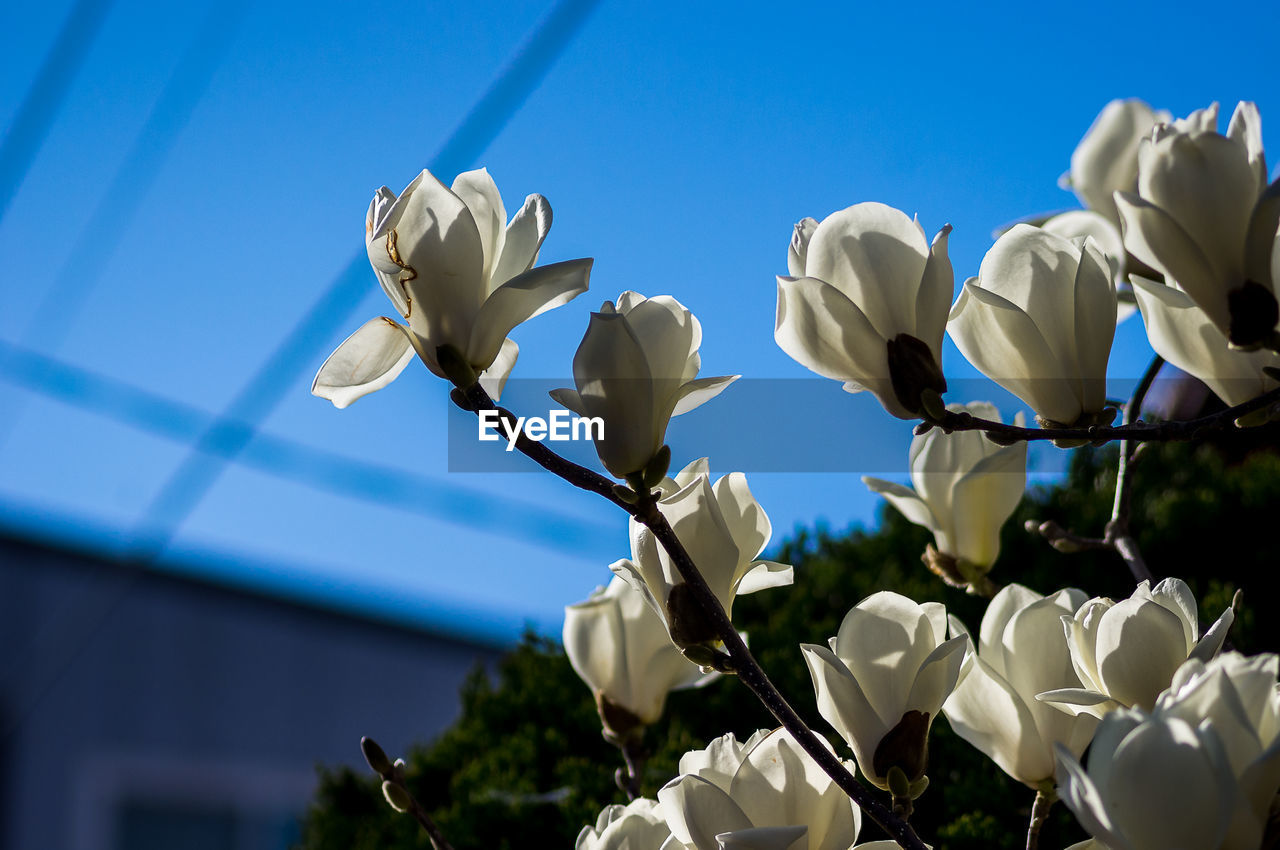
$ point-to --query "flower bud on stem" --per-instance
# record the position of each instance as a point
(397, 793)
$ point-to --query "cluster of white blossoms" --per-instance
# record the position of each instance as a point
(1182, 740)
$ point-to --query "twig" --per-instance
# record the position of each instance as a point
(1116, 536)
(398, 794)
(628, 779)
(1137, 431)
(1117, 530)
(744, 663)
(1039, 813)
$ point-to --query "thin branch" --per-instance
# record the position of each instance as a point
(628, 778)
(1039, 813)
(1137, 431)
(1116, 536)
(744, 663)
(1118, 528)
(398, 794)
(475, 399)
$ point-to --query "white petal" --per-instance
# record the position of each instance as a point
(821, 329)
(494, 379)
(1002, 341)
(843, 704)
(1155, 238)
(1181, 333)
(478, 192)
(367, 360)
(1095, 325)
(697, 811)
(520, 299)
(764, 838)
(907, 502)
(798, 250)
(698, 392)
(876, 256)
(439, 245)
(1140, 645)
(766, 574)
(1078, 701)
(985, 711)
(984, 499)
(523, 239)
(937, 287)
(1206, 183)
(937, 677)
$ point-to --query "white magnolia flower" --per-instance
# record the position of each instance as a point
(1021, 652)
(1202, 215)
(460, 274)
(1238, 696)
(1182, 333)
(619, 646)
(724, 530)
(1153, 783)
(637, 367)
(1038, 320)
(639, 825)
(1126, 653)
(766, 794)
(883, 680)
(1106, 160)
(866, 303)
(965, 488)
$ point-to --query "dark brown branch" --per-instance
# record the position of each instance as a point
(743, 663)
(1136, 432)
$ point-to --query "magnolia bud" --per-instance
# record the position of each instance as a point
(397, 796)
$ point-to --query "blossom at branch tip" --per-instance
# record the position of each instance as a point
(1203, 215)
(724, 530)
(461, 275)
(1021, 652)
(1154, 782)
(1127, 652)
(764, 794)
(1183, 334)
(866, 303)
(637, 367)
(619, 646)
(1039, 320)
(965, 488)
(883, 679)
(639, 825)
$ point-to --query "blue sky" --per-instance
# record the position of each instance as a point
(204, 180)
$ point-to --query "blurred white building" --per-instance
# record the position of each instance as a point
(140, 709)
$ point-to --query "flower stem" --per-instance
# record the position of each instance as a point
(1039, 813)
(746, 667)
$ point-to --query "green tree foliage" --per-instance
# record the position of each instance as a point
(525, 765)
